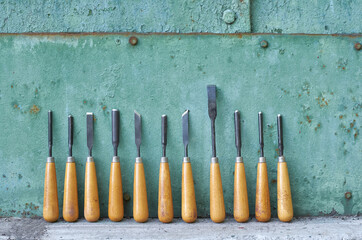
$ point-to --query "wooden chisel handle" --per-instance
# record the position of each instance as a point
(262, 199)
(217, 206)
(140, 204)
(241, 204)
(188, 208)
(51, 205)
(115, 201)
(285, 206)
(165, 205)
(91, 200)
(70, 201)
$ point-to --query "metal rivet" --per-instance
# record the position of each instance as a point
(357, 46)
(133, 40)
(126, 197)
(228, 16)
(264, 44)
(348, 195)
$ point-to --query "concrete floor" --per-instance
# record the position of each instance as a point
(301, 228)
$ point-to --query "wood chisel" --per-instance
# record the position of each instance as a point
(50, 205)
(91, 200)
(165, 205)
(70, 201)
(188, 201)
(140, 204)
(217, 206)
(241, 204)
(262, 198)
(115, 200)
(285, 206)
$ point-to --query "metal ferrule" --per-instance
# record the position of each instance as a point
(186, 160)
(115, 159)
(262, 159)
(164, 159)
(90, 159)
(50, 159)
(70, 159)
(214, 160)
(281, 159)
(239, 159)
(138, 160)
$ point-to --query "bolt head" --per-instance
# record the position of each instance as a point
(133, 40)
(348, 195)
(229, 16)
(264, 44)
(357, 46)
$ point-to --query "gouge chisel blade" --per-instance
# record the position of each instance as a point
(164, 134)
(211, 94)
(138, 126)
(70, 135)
(90, 132)
(237, 132)
(115, 130)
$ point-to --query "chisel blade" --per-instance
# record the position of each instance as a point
(280, 135)
(90, 121)
(211, 94)
(138, 126)
(237, 132)
(115, 130)
(50, 132)
(185, 128)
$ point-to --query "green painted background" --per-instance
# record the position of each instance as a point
(314, 81)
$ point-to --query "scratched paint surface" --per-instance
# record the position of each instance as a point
(314, 81)
(123, 16)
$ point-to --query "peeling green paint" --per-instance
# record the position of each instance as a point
(301, 77)
(296, 16)
(123, 16)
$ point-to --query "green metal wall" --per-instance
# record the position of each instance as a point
(313, 80)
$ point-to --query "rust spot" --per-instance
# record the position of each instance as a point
(340, 116)
(356, 114)
(343, 68)
(355, 135)
(84, 102)
(351, 125)
(133, 40)
(309, 120)
(16, 106)
(12, 86)
(104, 108)
(299, 95)
(301, 122)
(34, 109)
(274, 181)
(348, 130)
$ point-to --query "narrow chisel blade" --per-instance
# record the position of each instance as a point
(90, 132)
(137, 125)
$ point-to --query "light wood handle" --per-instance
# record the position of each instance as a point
(115, 201)
(51, 206)
(91, 200)
(285, 206)
(217, 206)
(70, 201)
(140, 204)
(188, 208)
(165, 205)
(262, 199)
(241, 204)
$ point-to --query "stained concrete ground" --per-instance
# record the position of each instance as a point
(300, 228)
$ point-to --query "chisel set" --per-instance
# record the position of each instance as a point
(165, 202)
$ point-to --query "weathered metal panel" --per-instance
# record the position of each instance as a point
(123, 16)
(306, 16)
(314, 81)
